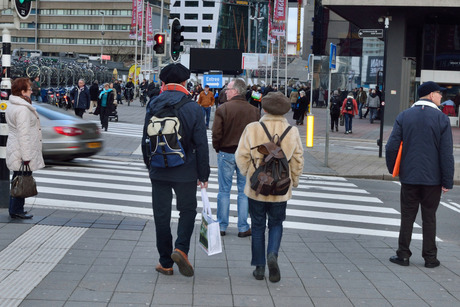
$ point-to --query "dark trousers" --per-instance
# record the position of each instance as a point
(428, 198)
(335, 121)
(104, 116)
(17, 203)
(79, 112)
(186, 204)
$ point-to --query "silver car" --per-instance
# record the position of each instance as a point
(65, 136)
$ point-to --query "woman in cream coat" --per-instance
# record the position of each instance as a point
(275, 106)
(24, 138)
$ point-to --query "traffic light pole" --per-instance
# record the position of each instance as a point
(5, 87)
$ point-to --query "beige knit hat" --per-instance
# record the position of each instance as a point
(276, 103)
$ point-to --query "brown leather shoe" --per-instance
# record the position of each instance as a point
(165, 271)
(180, 258)
(245, 234)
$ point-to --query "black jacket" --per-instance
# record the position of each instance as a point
(194, 140)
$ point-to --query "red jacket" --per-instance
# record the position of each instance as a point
(352, 112)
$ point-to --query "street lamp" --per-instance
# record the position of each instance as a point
(102, 34)
(257, 19)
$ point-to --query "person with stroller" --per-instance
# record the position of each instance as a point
(105, 105)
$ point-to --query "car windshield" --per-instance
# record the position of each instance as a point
(52, 114)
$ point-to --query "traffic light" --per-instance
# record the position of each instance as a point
(23, 8)
(176, 39)
(160, 41)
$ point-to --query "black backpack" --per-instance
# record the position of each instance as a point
(272, 177)
(164, 133)
(335, 105)
(349, 104)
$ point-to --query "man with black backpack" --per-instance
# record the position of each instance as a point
(349, 110)
(335, 106)
(269, 142)
(180, 164)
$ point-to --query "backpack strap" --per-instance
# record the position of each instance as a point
(284, 133)
(183, 101)
(266, 131)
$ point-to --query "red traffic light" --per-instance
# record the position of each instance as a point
(160, 41)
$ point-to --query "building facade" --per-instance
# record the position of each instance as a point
(81, 26)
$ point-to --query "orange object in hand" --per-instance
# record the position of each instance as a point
(398, 161)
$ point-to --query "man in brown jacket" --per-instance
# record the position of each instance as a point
(206, 101)
(230, 121)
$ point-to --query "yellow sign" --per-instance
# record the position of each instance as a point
(310, 130)
(3, 106)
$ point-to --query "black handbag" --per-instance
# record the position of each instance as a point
(24, 185)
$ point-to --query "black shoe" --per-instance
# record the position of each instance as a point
(222, 233)
(22, 216)
(432, 263)
(273, 269)
(400, 261)
(259, 272)
(244, 234)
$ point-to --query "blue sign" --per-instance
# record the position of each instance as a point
(213, 81)
(332, 56)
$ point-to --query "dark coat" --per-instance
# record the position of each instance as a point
(194, 140)
(81, 98)
(109, 105)
(94, 92)
(427, 154)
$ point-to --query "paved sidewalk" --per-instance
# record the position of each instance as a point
(75, 258)
(113, 264)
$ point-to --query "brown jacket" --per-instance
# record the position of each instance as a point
(253, 136)
(230, 120)
(206, 100)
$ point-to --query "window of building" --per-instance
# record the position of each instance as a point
(209, 3)
(191, 3)
(191, 29)
(207, 29)
(190, 41)
(176, 4)
(207, 16)
(173, 15)
(191, 16)
(206, 41)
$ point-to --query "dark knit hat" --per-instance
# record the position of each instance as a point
(276, 103)
(428, 87)
(174, 73)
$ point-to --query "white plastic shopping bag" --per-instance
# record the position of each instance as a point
(210, 239)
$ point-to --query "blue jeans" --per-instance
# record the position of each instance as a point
(186, 204)
(373, 114)
(259, 211)
(348, 121)
(360, 110)
(226, 167)
(36, 98)
(16, 203)
(207, 114)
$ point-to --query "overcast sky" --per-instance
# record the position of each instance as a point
(292, 25)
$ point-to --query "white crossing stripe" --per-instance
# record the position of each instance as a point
(320, 203)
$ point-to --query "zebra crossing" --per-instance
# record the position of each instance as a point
(133, 130)
(320, 203)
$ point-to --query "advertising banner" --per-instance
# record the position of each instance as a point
(149, 27)
(278, 24)
(140, 12)
(374, 65)
(132, 29)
